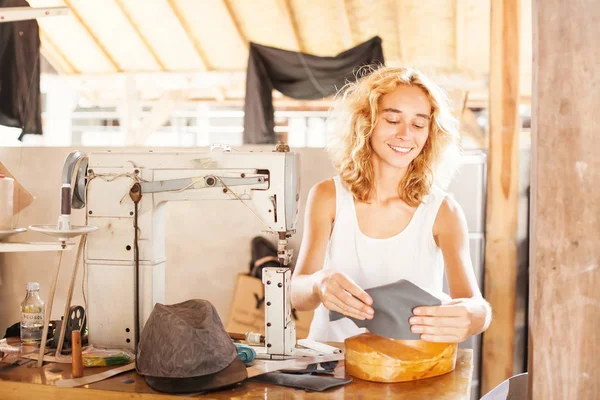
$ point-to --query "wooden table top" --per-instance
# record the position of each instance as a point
(28, 381)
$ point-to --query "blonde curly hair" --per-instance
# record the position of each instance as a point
(354, 116)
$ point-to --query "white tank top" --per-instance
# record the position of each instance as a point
(411, 254)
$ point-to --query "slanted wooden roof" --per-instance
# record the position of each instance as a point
(446, 38)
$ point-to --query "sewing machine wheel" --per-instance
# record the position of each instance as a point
(75, 172)
(78, 200)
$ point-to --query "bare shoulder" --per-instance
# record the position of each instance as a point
(321, 198)
(450, 217)
(324, 188)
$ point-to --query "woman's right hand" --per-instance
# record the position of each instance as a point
(339, 293)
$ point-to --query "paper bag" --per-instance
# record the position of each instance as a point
(21, 198)
(248, 309)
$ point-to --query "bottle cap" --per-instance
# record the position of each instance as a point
(33, 286)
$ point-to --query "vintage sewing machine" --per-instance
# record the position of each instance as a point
(124, 194)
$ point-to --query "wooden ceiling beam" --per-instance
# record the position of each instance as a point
(289, 12)
(137, 30)
(460, 31)
(399, 25)
(220, 94)
(347, 36)
(228, 79)
(218, 90)
(97, 41)
(191, 37)
(161, 112)
(236, 23)
(54, 56)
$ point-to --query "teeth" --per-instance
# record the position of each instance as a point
(400, 149)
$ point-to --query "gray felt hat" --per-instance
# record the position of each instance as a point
(184, 348)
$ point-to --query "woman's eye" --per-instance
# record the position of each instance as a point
(392, 122)
(419, 126)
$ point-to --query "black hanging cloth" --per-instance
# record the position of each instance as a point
(299, 76)
(20, 99)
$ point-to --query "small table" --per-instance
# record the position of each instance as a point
(29, 382)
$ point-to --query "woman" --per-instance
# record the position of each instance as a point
(383, 219)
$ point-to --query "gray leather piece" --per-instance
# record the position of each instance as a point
(393, 304)
(310, 383)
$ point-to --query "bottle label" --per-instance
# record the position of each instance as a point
(33, 318)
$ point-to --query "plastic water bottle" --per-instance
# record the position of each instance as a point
(32, 315)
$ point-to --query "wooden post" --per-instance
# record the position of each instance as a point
(501, 225)
(564, 300)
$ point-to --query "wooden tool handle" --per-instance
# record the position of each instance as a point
(77, 366)
(242, 336)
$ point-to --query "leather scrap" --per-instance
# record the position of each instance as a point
(393, 304)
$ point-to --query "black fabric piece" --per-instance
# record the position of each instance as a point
(393, 304)
(258, 270)
(299, 76)
(310, 383)
(307, 371)
(328, 369)
(261, 247)
(20, 98)
(13, 331)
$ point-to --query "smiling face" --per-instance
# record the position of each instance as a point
(402, 127)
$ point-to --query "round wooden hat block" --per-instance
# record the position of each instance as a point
(375, 358)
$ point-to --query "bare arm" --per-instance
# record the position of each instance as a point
(468, 313)
(318, 222)
(311, 285)
(452, 236)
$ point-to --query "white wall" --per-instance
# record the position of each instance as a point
(208, 243)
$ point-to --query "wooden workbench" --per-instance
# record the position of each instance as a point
(29, 382)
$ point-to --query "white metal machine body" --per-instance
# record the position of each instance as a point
(279, 343)
(267, 181)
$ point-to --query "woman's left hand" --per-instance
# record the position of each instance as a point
(452, 322)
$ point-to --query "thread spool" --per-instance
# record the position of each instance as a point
(7, 189)
(77, 363)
